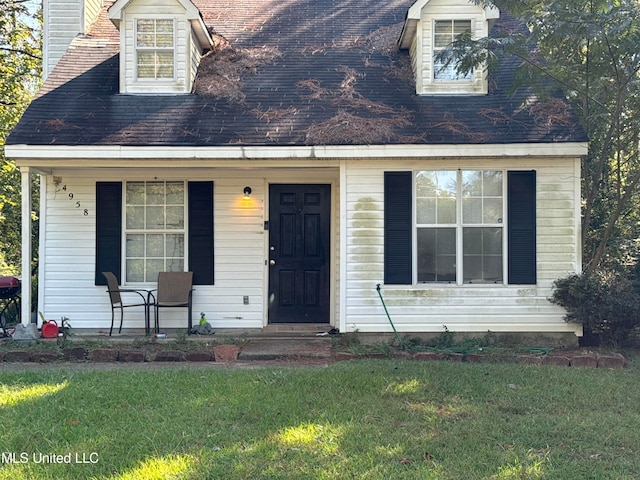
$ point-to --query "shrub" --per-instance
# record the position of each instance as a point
(606, 303)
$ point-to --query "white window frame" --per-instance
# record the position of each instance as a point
(126, 231)
(137, 49)
(450, 71)
(459, 227)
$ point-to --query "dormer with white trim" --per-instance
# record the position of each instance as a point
(161, 43)
(430, 26)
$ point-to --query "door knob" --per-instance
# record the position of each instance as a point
(272, 262)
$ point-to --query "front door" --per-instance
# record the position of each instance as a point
(299, 253)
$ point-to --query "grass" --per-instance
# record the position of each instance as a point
(365, 419)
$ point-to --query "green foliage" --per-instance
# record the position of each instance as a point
(20, 65)
(606, 303)
(588, 50)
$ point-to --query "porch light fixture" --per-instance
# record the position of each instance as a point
(246, 192)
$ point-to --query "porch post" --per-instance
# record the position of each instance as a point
(26, 247)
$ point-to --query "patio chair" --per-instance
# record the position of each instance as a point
(174, 291)
(115, 295)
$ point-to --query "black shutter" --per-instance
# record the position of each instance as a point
(201, 232)
(521, 225)
(398, 228)
(108, 230)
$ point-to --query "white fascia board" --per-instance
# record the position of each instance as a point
(24, 153)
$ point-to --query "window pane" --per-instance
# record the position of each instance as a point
(446, 210)
(155, 193)
(155, 218)
(175, 265)
(153, 267)
(175, 218)
(135, 270)
(436, 197)
(426, 210)
(164, 71)
(461, 26)
(146, 71)
(155, 245)
(175, 193)
(135, 218)
(482, 255)
(164, 40)
(436, 254)
(442, 33)
(175, 246)
(492, 183)
(492, 210)
(135, 245)
(145, 39)
(472, 184)
(472, 210)
(135, 193)
(472, 241)
(164, 26)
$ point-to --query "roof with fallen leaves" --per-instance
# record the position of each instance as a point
(287, 73)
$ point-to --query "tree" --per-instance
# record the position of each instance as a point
(589, 50)
(20, 66)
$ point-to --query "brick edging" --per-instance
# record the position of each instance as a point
(132, 355)
(610, 361)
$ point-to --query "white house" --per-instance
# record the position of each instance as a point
(367, 163)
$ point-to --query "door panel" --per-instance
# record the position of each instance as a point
(299, 253)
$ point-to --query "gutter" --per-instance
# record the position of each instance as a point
(25, 154)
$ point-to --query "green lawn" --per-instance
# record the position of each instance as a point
(365, 419)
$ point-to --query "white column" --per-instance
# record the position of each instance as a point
(26, 246)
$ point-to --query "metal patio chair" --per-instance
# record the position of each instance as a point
(175, 290)
(115, 295)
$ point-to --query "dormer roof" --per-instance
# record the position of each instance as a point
(191, 13)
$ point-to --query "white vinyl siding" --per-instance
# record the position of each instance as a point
(464, 308)
(240, 243)
(63, 20)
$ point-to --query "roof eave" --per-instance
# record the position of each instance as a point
(25, 155)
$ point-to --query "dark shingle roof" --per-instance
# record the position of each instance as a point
(300, 72)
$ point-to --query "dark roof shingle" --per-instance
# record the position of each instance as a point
(312, 72)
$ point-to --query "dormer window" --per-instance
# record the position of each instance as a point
(430, 27)
(444, 33)
(159, 52)
(155, 51)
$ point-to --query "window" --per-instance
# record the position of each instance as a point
(459, 226)
(151, 226)
(154, 229)
(444, 33)
(155, 49)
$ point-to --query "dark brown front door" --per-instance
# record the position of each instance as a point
(299, 253)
